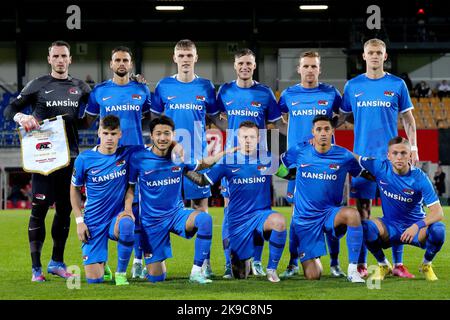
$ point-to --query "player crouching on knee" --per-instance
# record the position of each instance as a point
(103, 170)
(160, 178)
(248, 174)
(403, 190)
(320, 171)
(187, 223)
(273, 230)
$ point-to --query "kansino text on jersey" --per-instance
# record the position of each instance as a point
(186, 106)
(309, 112)
(62, 103)
(396, 196)
(110, 176)
(123, 107)
(164, 182)
(243, 113)
(249, 180)
(373, 103)
(320, 176)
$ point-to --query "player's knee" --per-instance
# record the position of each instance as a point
(277, 222)
(126, 229)
(63, 209)
(158, 278)
(203, 222)
(313, 274)
(39, 210)
(370, 231)
(353, 217)
(436, 233)
(39, 206)
(348, 216)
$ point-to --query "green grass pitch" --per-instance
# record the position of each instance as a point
(15, 272)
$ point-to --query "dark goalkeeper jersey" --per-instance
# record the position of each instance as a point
(50, 97)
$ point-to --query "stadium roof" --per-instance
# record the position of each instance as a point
(219, 20)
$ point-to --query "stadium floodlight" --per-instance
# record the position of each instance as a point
(169, 8)
(313, 7)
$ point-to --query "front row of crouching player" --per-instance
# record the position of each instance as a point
(403, 189)
(319, 170)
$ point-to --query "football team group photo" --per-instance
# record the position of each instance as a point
(174, 179)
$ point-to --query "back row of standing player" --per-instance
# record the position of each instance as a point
(375, 98)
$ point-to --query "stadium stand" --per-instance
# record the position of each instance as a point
(8, 136)
(431, 113)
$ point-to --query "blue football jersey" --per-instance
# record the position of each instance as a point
(187, 104)
(303, 104)
(160, 182)
(257, 104)
(402, 196)
(376, 104)
(249, 179)
(106, 180)
(320, 179)
(128, 102)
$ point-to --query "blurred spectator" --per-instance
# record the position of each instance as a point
(422, 90)
(439, 181)
(19, 193)
(443, 89)
(408, 81)
(422, 32)
(441, 124)
(28, 191)
(90, 81)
